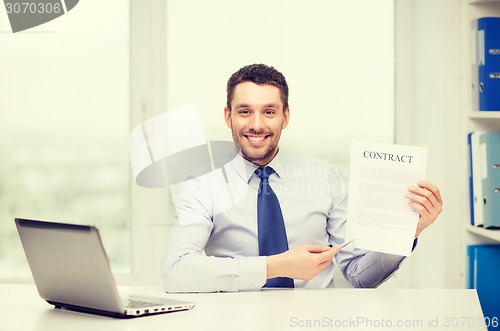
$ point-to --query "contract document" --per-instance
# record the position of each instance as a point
(379, 217)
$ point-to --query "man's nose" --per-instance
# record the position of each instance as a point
(257, 122)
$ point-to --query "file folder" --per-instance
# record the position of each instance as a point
(489, 150)
(488, 43)
(477, 186)
(475, 66)
(471, 182)
(483, 263)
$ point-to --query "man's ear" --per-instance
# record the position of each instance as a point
(286, 117)
(227, 117)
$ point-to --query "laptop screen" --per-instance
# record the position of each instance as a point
(69, 264)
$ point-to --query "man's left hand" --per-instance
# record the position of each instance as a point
(425, 200)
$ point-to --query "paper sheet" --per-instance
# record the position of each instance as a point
(379, 217)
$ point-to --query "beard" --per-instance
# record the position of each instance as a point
(259, 155)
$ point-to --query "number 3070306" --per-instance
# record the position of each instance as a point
(33, 8)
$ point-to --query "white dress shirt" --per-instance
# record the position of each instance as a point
(214, 245)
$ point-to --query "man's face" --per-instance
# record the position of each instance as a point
(256, 119)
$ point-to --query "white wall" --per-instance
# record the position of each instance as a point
(338, 61)
(428, 113)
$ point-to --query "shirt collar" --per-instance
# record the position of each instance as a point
(246, 169)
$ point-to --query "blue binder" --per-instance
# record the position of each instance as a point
(489, 145)
(483, 263)
(489, 63)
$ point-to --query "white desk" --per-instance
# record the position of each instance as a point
(330, 309)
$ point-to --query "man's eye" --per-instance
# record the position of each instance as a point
(243, 112)
(270, 112)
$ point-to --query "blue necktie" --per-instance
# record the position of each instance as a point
(271, 227)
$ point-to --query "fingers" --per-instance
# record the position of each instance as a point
(435, 191)
(327, 255)
(302, 262)
(316, 248)
(426, 199)
(335, 250)
(321, 253)
(323, 259)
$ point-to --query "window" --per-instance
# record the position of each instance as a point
(64, 121)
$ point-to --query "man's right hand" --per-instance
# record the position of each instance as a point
(303, 262)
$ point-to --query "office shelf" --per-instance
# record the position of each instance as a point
(476, 120)
(483, 1)
(484, 115)
(485, 233)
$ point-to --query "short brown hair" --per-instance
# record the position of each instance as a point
(260, 74)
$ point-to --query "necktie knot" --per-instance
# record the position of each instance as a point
(264, 172)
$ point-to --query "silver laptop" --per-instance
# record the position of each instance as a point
(71, 271)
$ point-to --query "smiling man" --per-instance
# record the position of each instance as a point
(256, 116)
(270, 219)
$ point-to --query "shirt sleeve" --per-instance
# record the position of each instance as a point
(186, 268)
(365, 269)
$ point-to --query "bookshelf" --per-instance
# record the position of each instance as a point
(476, 120)
(477, 115)
(473, 121)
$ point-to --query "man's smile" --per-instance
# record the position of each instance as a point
(256, 139)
